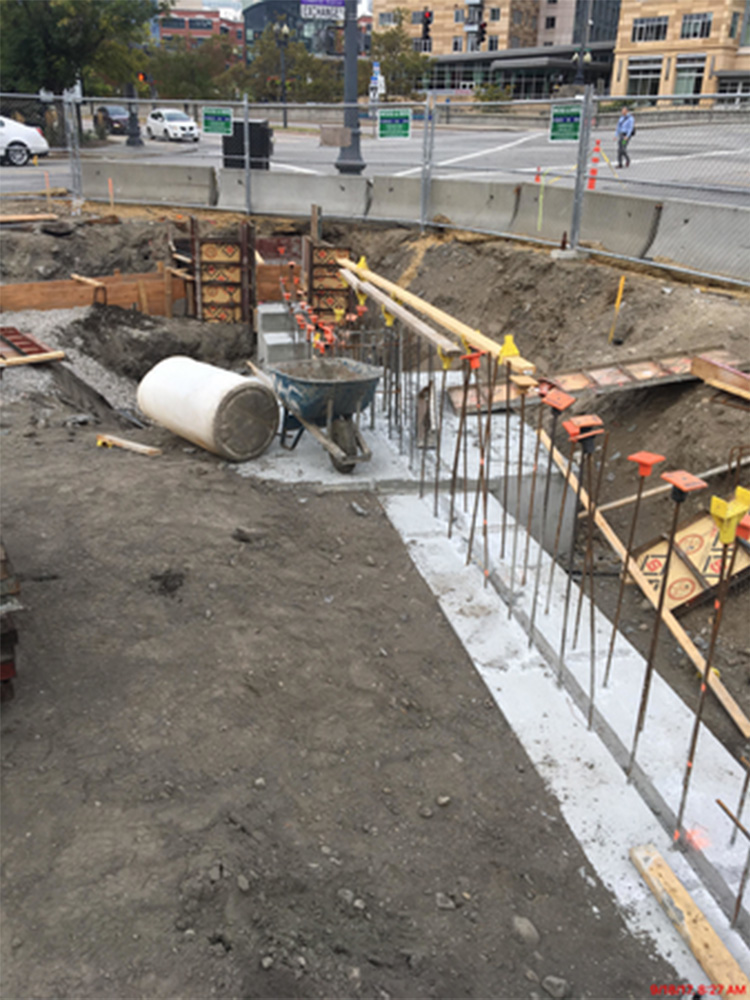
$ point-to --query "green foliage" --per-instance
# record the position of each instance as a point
(191, 72)
(403, 68)
(53, 43)
(307, 78)
(492, 92)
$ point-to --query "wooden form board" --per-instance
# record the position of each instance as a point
(608, 378)
(719, 965)
(121, 290)
(696, 658)
(721, 375)
(268, 280)
(695, 565)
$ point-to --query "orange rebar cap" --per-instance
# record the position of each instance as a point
(646, 461)
(558, 399)
(474, 358)
(684, 481)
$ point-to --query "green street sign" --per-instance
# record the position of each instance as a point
(217, 121)
(565, 122)
(394, 123)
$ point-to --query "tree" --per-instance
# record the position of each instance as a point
(54, 43)
(181, 71)
(403, 68)
(307, 77)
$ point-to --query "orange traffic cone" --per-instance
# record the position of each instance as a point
(593, 173)
(538, 178)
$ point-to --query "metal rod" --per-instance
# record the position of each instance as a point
(569, 583)
(488, 454)
(545, 506)
(743, 795)
(518, 503)
(506, 459)
(654, 639)
(558, 529)
(623, 578)
(746, 870)
(588, 562)
(439, 438)
(457, 455)
(531, 495)
(480, 474)
(724, 578)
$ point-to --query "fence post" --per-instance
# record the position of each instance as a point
(74, 152)
(246, 144)
(426, 164)
(582, 165)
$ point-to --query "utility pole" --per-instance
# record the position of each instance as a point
(350, 159)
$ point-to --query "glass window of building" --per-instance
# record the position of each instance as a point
(550, 22)
(649, 29)
(696, 25)
(458, 44)
(689, 76)
(416, 17)
(644, 75)
(492, 43)
(459, 15)
(200, 24)
(745, 32)
(173, 22)
(386, 19)
(494, 13)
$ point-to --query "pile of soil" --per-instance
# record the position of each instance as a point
(247, 756)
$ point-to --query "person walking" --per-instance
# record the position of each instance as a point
(623, 134)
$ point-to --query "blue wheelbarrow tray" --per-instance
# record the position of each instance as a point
(327, 393)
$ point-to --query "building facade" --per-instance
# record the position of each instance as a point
(683, 49)
(196, 26)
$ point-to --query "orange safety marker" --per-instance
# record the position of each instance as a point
(594, 171)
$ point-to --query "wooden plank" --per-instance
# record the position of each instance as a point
(110, 441)
(466, 333)
(446, 345)
(722, 971)
(42, 217)
(721, 376)
(31, 359)
(713, 682)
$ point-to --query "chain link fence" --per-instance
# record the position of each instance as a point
(681, 153)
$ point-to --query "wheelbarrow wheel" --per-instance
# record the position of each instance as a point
(342, 434)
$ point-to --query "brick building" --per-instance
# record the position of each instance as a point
(197, 26)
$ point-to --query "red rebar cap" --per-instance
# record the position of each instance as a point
(474, 358)
(743, 528)
(558, 399)
(646, 461)
(684, 481)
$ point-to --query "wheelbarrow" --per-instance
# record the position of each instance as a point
(326, 396)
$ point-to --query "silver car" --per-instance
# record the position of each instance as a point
(167, 123)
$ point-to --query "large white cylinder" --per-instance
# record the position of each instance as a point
(229, 414)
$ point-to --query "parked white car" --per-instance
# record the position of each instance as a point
(168, 123)
(18, 143)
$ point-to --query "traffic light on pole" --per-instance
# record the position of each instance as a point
(426, 23)
(141, 78)
(481, 32)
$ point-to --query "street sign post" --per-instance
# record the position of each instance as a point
(394, 123)
(565, 122)
(217, 121)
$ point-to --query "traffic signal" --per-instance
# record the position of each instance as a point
(481, 32)
(426, 23)
(141, 78)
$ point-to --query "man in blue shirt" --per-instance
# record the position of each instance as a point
(623, 133)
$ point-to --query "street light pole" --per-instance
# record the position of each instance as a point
(583, 56)
(350, 159)
(281, 32)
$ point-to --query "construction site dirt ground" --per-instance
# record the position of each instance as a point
(247, 756)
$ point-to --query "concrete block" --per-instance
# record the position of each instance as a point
(475, 204)
(714, 239)
(149, 182)
(274, 193)
(275, 347)
(543, 212)
(274, 317)
(619, 223)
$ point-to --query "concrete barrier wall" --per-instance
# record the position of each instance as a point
(273, 193)
(619, 223)
(153, 182)
(544, 212)
(478, 205)
(396, 198)
(711, 238)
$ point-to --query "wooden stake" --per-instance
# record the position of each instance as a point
(110, 441)
(618, 300)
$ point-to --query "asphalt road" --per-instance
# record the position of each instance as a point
(707, 163)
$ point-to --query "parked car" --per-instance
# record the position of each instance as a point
(167, 123)
(18, 143)
(115, 118)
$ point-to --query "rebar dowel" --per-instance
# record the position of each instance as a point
(439, 438)
(426, 428)
(480, 472)
(741, 890)
(531, 495)
(457, 455)
(654, 639)
(518, 504)
(592, 601)
(724, 578)
(545, 506)
(506, 459)
(588, 562)
(623, 578)
(569, 582)
(743, 795)
(487, 456)
(558, 529)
